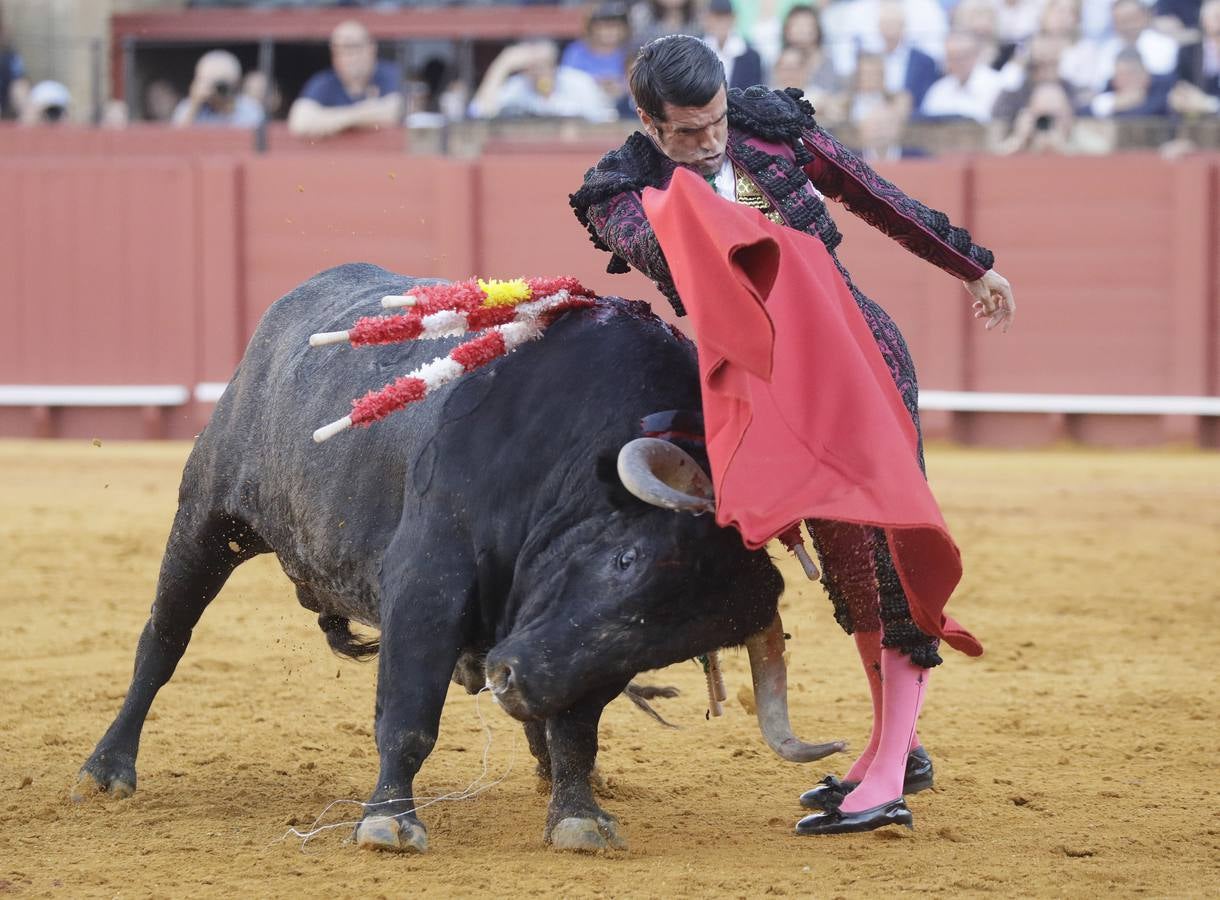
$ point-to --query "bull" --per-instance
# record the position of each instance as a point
(511, 531)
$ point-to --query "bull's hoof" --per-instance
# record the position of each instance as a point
(388, 833)
(116, 786)
(587, 835)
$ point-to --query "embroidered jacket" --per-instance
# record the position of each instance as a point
(774, 139)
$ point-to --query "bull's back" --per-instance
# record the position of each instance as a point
(329, 510)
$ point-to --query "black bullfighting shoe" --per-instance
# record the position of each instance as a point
(828, 793)
(919, 772)
(836, 821)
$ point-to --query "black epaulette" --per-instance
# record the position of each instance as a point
(778, 116)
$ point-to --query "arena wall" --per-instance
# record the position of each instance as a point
(147, 265)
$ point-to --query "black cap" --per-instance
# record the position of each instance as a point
(721, 7)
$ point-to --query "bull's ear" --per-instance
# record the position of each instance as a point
(607, 475)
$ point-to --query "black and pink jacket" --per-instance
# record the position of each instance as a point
(773, 136)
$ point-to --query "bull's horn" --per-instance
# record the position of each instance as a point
(665, 475)
(771, 697)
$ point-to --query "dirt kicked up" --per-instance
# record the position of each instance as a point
(1078, 757)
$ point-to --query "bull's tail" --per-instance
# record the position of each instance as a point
(343, 642)
(640, 694)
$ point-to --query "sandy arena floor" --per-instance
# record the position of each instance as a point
(1078, 757)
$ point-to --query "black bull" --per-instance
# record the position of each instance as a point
(485, 523)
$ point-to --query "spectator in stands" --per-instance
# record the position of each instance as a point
(1048, 124)
(1132, 91)
(602, 52)
(1080, 59)
(868, 90)
(880, 134)
(742, 64)
(356, 92)
(907, 68)
(160, 101)
(1016, 21)
(980, 18)
(853, 25)
(827, 89)
(215, 96)
(1133, 30)
(802, 29)
(526, 80)
(652, 19)
(1198, 89)
(48, 103)
(969, 88)
(1037, 62)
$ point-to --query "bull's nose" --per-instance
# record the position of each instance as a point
(500, 677)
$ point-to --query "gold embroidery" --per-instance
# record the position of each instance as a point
(749, 194)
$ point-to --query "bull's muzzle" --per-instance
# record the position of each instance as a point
(503, 681)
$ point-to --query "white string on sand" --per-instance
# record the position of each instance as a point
(471, 791)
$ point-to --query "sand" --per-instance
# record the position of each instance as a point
(1077, 758)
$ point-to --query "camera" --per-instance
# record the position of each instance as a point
(53, 113)
(1044, 122)
(223, 90)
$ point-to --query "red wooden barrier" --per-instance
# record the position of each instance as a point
(98, 276)
(304, 214)
(376, 140)
(138, 139)
(134, 269)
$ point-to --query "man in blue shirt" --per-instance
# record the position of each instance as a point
(358, 92)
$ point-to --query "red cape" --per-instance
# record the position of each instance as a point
(803, 419)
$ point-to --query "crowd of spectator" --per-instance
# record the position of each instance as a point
(1038, 74)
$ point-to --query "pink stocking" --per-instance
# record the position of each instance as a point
(868, 645)
(902, 688)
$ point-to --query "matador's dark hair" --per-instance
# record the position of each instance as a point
(677, 69)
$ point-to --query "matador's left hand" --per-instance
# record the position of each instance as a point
(993, 299)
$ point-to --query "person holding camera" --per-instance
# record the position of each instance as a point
(215, 97)
(1048, 124)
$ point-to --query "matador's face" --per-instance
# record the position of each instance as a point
(693, 136)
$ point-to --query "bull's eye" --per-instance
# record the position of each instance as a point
(626, 559)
